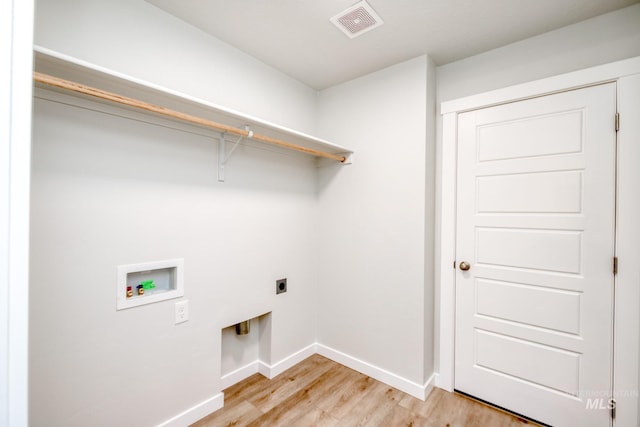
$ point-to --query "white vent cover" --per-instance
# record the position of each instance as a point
(357, 20)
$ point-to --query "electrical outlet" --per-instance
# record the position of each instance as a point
(182, 311)
(281, 286)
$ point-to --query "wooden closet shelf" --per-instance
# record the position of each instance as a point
(226, 121)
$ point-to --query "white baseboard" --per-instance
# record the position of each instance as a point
(264, 369)
(195, 413)
(268, 371)
(438, 382)
(430, 385)
(409, 387)
(271, 371)
(239, 374)
(217, 402)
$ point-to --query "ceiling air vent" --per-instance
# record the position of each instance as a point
(357, 20)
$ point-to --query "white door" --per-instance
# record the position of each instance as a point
(536, 223)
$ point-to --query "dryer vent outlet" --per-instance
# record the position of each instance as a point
(281, 286)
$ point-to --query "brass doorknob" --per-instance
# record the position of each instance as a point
(464, 266)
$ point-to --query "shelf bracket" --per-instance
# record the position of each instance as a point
(223, 157)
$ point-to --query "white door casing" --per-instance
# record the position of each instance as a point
(536, 221)
(627, 314)
(16, 51)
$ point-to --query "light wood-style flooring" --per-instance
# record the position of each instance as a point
(320, 392)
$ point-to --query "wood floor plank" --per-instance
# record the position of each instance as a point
(321, 393)
(420, 407)
(483, 415)
(450, 411)
(236, 415)
(401, 416)
(373, 407)
(343, 401)
(284, 385)
(332, 382)
(316, 418)
(283, 415)
(245, 389)
(298, 404)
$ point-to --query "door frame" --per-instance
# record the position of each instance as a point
(627, 294)
(16, 51)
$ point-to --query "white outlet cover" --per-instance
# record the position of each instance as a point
(182, 311)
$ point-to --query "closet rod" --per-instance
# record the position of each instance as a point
(113, 97)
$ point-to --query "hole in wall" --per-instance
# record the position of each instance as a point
(243, 354)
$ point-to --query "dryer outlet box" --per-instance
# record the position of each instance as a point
(281, 286)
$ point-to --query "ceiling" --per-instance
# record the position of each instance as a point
(296, 37)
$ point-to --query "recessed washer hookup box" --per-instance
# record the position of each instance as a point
(149, 282)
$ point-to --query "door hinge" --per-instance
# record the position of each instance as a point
(615, 265)
(612, 408)
(617, 122)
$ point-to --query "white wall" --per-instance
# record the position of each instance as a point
(430, 214)
(373, 287)
(138, 39)
(16, 38)
(606, 38)
(109, 191)
(239, 351)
